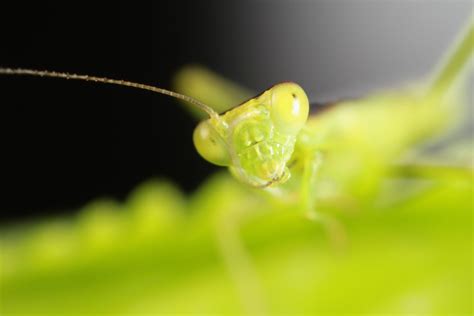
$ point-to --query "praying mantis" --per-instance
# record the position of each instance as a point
(271, 142)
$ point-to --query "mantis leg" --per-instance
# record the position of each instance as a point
(308, 186)
(239, 263)
(238, 260)
(332, 226)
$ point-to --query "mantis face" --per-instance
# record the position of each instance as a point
(257, 138)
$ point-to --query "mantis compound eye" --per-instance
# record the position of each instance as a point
(210, 145)
(289, 108)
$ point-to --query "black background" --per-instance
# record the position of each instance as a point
(65, 143)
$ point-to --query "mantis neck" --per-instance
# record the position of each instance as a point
(454, 62)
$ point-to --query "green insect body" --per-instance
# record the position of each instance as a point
(361, 140)
(263, 144)
(344, 150)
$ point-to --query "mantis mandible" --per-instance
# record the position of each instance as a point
(271, 138)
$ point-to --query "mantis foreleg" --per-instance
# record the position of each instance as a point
(332, 226)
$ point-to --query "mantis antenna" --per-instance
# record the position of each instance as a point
(71, 76)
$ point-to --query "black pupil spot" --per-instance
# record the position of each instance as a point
(293, 95)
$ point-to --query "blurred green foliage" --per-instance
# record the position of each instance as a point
(159, 253)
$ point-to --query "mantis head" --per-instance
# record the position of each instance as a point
(256, 139)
